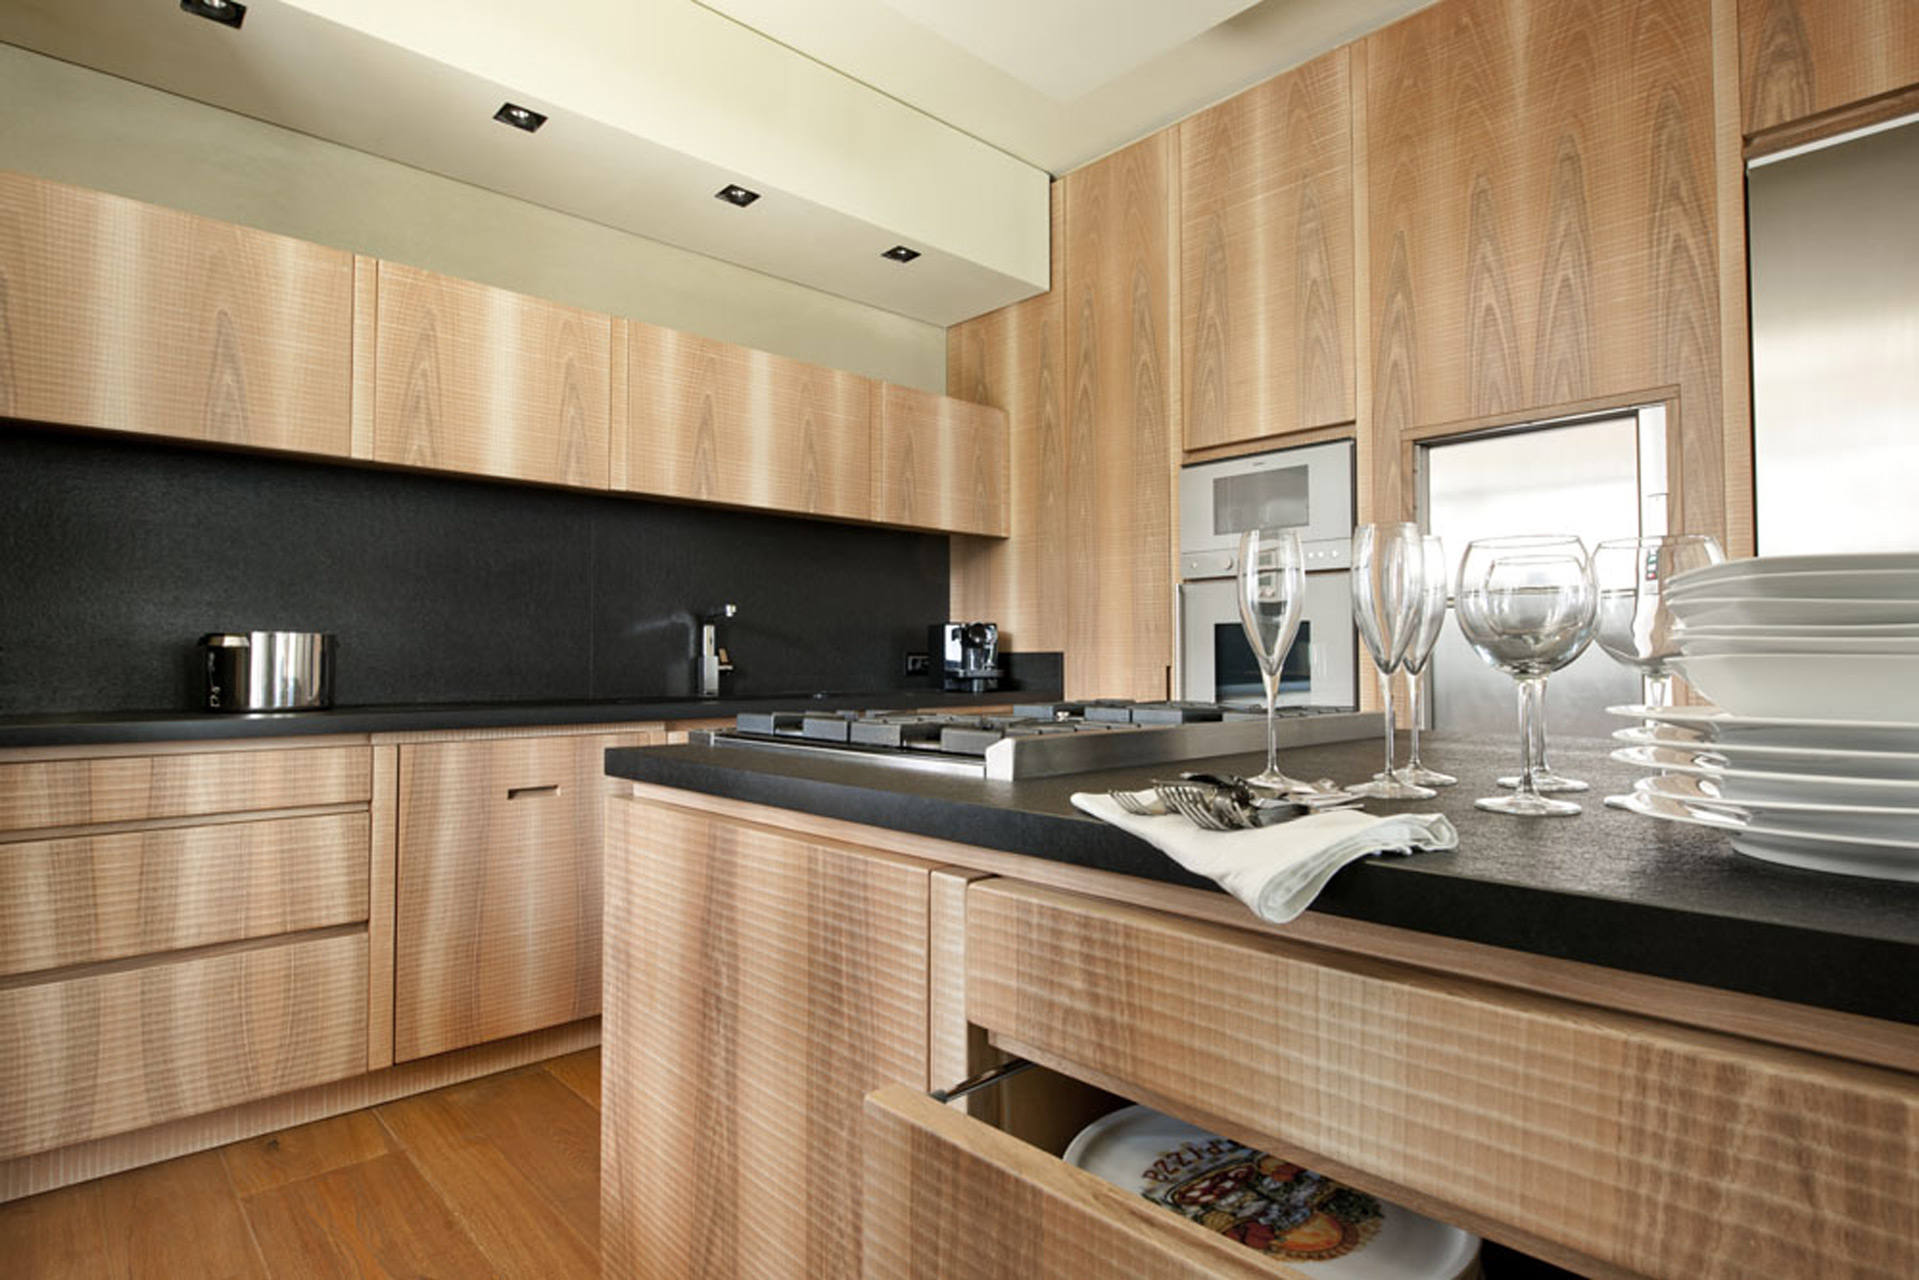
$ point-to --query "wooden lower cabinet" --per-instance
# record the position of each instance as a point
(497, 909)
(120, 1048)
(759, 985)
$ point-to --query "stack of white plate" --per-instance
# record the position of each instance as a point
(1811, 757)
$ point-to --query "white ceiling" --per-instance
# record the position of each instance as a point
(860, 126)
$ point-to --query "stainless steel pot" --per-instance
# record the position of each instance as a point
(268, 670)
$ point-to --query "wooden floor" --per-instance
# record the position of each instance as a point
(496, 1177)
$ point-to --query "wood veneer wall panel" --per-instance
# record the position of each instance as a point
(949, 1197)
(758, 986)
(715, 422)
(486, 382)
(1014, 359)
(498, 906)
(1649, 1147)
(117, 1050)
(91, 898)
(1543, 220)
(1121, 445)
(938, 463)
(122, 315)
(77, 792)
(1266, 292)
(1800, 58)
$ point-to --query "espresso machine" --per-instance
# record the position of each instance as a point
(965, 656)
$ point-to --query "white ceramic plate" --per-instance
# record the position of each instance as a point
(1735, 784)
(1666, 809)
(1903, 765)
(1813, 842)
(1868, 686)
(1805, 631)
(1842, 855)
(1147, 1152)
(1823, 611)
(1796, 732)
(1847, 584)
(1700, 645)
(1759, 566)
(1703, 793)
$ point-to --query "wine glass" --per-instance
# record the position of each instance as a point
(1635, 625)
(1430, 614)
(1388, 566)
(1272, 584)
(1528, 607)
(1546, 780)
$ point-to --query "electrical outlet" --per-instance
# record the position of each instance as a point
(919, 664)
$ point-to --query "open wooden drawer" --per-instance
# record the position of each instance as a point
(1608, 1142)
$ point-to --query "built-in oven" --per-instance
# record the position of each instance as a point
(1310, 490)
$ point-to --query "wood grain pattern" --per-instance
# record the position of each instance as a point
(304, 1151)
(1867, 1040)
(141, 1211)
(126, 1047)
(498, 900)
(383, 875)
(714, 422)
(125, 316)
(35, 1174)
(131, 788)
(1800, 58)
(938, 463)
(1267, 258)
(1543, 221)
(1741, 534)
(759, 985)
(377, 1217)
(1120, 449)
(91, 898)
(1014, 359)
(366, 345)
(486, 382)
(1645, 1146)
(955, 1048)
(948, 1196)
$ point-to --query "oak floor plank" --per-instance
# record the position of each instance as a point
(377, 1217)
(548, 1132)
(579, 1072)
(516, 1223)
(58, 1235)
(179, 1218)
(305, 1151)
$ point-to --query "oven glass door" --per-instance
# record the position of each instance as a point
(1217, 665)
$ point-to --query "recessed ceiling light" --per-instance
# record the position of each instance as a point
(734, 193)
(519, 117)
(230, 13)
(900, 253)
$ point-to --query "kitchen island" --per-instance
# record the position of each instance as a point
(1598, 1039)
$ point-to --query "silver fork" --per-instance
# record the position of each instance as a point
(1196, 804)
(1131, 803)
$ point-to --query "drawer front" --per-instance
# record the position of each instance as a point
(89, 898)
(498, 923)
(124, 1049)
(1645, 1145)
(948, 1196)
(71, 793)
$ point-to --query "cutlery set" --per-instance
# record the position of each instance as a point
(1224, 802)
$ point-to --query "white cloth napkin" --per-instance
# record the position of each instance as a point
(1277, 870)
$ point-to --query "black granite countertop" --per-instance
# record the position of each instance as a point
(192, 726)
(1605, 887)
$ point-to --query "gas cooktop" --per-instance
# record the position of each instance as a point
(1038, 740)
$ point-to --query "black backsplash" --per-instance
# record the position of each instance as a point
(116, 556)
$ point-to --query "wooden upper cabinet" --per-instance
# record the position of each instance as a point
(938, 463)
(1542, 219)
(714, 422)
(475, 379)
(1266, 258)
(1798, 58)
(1121, 445)
(121, 315)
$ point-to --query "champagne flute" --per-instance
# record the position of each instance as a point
(1435, 578)
(1387, 568)
(1528, 607)
(1272, 584)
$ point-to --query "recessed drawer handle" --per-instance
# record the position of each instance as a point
(528, 793)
